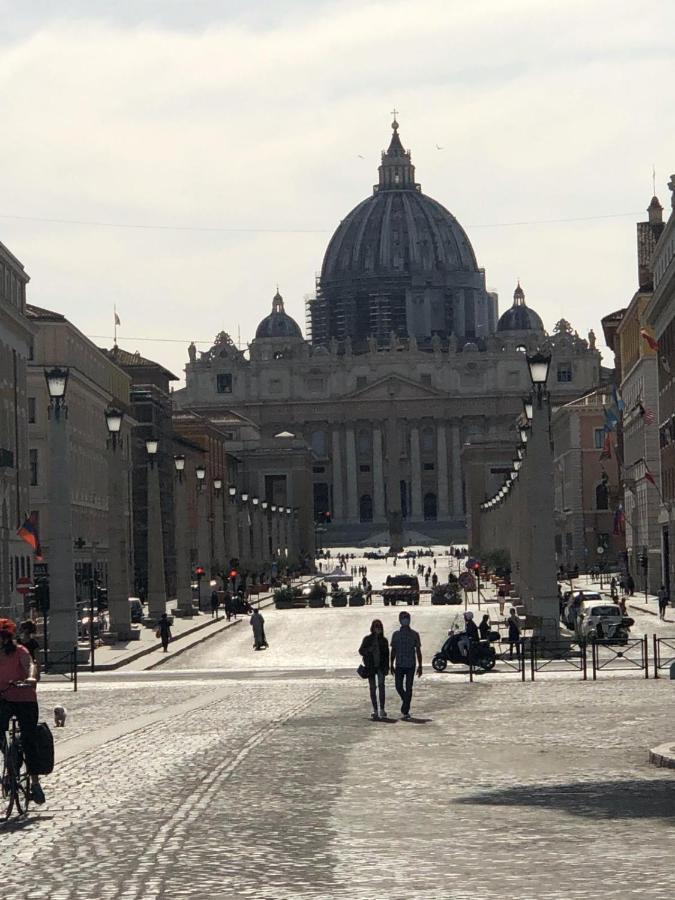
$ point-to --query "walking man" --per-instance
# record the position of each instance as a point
(164, 631)
(663, 601)
(258, 626)
(405, 648)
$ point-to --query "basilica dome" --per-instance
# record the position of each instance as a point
(519, 317)
(278, 324)
(399, 261)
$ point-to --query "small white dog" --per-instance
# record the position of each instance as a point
(59, 716)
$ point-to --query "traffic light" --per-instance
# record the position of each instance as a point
(644, 560)
(102, 598)
(42, 595)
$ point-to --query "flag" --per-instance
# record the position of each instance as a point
(606, 448)
(619, 521)
(611, 418)
(618, 399)
(649, 476)
(117, 320)
(29, 533)
(648, 415)
(653, 343)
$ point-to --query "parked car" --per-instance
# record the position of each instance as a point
(401, 587)
(603, 621)
(136, 611)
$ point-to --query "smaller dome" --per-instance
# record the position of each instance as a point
(278, 324)
(519, 317)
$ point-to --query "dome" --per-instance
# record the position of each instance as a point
(278, 324)
(398, 261)
(519, 317)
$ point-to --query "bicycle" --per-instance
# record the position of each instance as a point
(15, 786)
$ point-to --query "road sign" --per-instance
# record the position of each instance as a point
(23, 585)
(472, 562)
(467, 581)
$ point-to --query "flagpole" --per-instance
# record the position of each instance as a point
(115, 323)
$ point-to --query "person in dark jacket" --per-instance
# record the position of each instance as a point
(164, 631)
(215, 604)
(375, 652)
(514, 633)
(484, 628)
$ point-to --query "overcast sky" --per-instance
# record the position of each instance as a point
(248, 129)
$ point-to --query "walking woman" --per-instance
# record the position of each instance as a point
(514, 633)
(375, 652)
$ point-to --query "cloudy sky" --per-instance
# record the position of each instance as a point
(179, 159)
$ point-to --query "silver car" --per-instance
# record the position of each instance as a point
(602, 621)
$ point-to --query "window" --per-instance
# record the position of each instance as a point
(602, 496)
(318, 470)
(364, 447)
(318, 442)
(564, 372)
(33, 465)
(366, 508)
(224, 383)
(364, 468)
(425, 378)
(361, 382)
(428, 467)
(31, 410)
(599, 438)
(275, 385)
(427, 441)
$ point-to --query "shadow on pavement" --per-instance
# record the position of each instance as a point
(648, 799)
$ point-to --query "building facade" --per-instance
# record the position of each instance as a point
(660, 316)
(94, 384)
(588, 499)
(16, 557)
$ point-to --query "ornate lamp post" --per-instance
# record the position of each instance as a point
(118, 546)
(63, 605)
(203, 537)
(183, 574)
(156, 575)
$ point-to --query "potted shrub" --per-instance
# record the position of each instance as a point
(438, 597)
(284, 598)
(356, 597)
(317, 595)
(338, 598)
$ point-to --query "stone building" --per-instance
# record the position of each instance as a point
(639, 444)
(660, 316)
(406, 361)
(16, 338)
(94, 383)
(587, 489)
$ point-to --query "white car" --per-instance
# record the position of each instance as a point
(602, 621)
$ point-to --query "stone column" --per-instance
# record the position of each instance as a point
(457, 501)
(63, 611)
(267, 556)
(336, 460)
(378, 477)
(118, 570)
(352, 476)
(394, 516)
(203, 545)
(442, 471)
(156, 576)
(183, 573)
(231, 530)
(219, 530)
(415, 475)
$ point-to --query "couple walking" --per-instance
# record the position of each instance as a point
(379, 660)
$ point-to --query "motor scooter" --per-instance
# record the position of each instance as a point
(481, 654)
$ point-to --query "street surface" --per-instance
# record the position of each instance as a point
(272, 783)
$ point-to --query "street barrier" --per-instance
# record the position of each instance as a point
(664, 653)
(557, 656)
(633, 656)
(64, 664)
(504, 656)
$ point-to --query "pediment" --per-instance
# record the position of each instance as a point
(395, 387)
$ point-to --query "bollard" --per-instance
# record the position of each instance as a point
(672, 671)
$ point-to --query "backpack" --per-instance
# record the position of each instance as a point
(44, 749)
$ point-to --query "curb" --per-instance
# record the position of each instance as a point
(663, 756)
(651, 612)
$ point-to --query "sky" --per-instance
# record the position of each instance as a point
(178, 159)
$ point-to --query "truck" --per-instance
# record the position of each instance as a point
(401, 587)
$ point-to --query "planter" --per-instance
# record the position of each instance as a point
(357, 601)
(283, 604)
(317, 602)
(338, 601)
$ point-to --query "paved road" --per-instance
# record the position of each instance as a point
(287, 791)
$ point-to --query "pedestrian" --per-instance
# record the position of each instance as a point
(26, 637)
(434, 562)
(613, 592)
(164, 631)
(434, 580)
(215, 604)
(426, 579)
(576, 570)
(501, 597)
(369, 593)
(663, 601)
(375, 652)
(630, 584)
(622, 604)
(405, 648)
(514, 633)
(228, 603)
(258, 626)
(484, 628)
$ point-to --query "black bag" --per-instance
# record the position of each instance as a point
(44, 749)
(362, 672)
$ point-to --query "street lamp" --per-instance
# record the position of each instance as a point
(244, 497)
(517, 463)
(57, 382)
(179, 463)
(524, 433)
(264, 504)
(527, 408)
(539, 364)
(200, 472)
(520, 452)
(217, 485)
(152, 447)
(273, 508)
(113, 419)
(255, 501)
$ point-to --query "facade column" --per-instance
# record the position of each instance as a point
(442, 471)
(219, 530)
(118, 570)
(156, 576)
(415, 475)
(183, 573)
(336, 460)
(457, 499)
(352, 476)
(378, 477)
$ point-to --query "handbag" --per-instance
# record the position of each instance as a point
(362, 672)
(44, 750)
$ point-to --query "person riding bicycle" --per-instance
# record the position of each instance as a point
(19, 701)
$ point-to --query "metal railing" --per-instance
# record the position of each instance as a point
(632, 656)
(663, 660)
(64, 664)
(557, 656)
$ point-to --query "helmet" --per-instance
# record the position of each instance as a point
(468, 614)
(8, 626)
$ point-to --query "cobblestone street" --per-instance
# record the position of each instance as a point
(285, 790)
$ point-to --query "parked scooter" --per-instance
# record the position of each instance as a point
(481, 654)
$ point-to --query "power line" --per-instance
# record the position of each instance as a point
(109, 337)
(222, 229)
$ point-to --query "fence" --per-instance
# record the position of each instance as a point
(64, 664)
(661, 662)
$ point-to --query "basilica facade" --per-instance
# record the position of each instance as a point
(405, 363)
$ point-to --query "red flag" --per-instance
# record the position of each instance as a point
(606, 448)
(649, 476)
(653, 343)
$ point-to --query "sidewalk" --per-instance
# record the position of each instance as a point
(638, 602)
